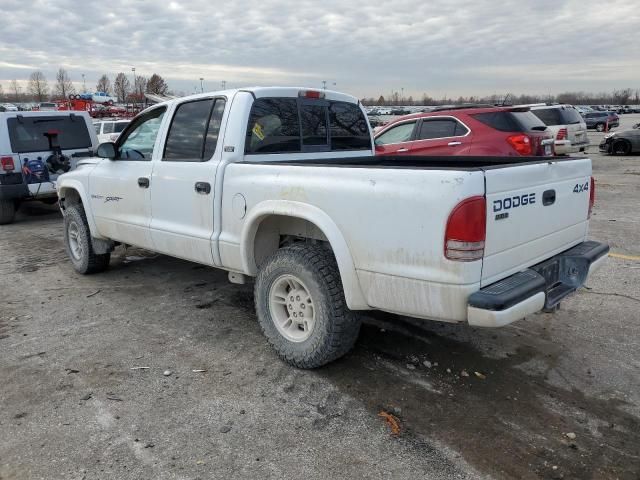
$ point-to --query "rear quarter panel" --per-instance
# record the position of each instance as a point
(392, 220)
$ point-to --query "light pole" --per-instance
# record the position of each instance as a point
(133, 69)
(324, 84)
(84, 84)
(223, 84)
(201, 85)
(402, 97)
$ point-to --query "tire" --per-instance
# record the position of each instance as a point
(77, 242)
(600, 127)
(7, 211)
(621, 147)
(329, 331)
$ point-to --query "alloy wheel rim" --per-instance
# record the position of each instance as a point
(73, 234)
(292, 308)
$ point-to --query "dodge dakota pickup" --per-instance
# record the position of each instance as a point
(282, 184)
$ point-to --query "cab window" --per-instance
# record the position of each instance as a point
(138, 141)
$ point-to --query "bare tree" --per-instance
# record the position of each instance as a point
(104, 85)
(140, 87)
(64, 86)
(157, 85)
(621, 97)
(38, 86)
(15, 90)
(1, 93)
(121, 87)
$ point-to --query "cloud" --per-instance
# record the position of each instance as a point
(366, 48)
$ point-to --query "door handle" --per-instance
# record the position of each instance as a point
(203, 187)
(400, 150)
(143, 182)
(454, 144)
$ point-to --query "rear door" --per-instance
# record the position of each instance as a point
(534, 211)
(397, 139)
(441, 136)
(183, 181)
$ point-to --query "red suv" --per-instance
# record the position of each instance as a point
(486, 130)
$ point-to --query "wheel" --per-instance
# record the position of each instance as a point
(621, 147)
(77, 243)
(301, 306)
(7, 211)
(600, 127)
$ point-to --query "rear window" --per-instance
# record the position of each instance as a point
(571, 116)
(119, 126)
(285, 125)
(511, 121)
(30, 134)
(274, 126)
(349, 128)
(550, 116)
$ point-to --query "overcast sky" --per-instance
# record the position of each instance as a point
(438, 47)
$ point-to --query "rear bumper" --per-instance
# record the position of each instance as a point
(13, 192)
(563, 147)
(542, 286)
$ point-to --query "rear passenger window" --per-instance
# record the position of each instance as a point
(108, 127)
(440, 129)
(349, 128)
(213, 130)
(274, 126)
(193, 134)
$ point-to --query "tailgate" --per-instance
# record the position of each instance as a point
(534, 211)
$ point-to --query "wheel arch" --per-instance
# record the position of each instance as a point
(323, 227)
(73, 193)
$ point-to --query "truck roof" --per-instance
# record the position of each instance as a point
(261, 92)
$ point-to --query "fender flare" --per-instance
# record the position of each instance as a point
(351, 285)
(78, 187)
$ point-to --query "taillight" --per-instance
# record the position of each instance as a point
(521, 143)
(466, 230)
(7, 164)
(562, 134)
(592, 196)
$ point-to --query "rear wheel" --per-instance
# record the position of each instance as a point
(7, 211)
(77, 243)
(301, 306)
(600, 127)
(621, 147)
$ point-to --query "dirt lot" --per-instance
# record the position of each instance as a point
(556, 396)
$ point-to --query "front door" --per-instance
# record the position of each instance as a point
(396, 140)
(120, 189)
(182, 191)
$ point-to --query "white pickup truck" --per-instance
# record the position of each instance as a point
(282, 184)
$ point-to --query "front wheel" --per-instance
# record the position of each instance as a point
(301, 306)
(600, 127)
(77, 243)
(621, 147)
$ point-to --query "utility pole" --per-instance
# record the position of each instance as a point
(201, 85)
(324, 84)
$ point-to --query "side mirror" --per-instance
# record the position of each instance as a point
(107, 150)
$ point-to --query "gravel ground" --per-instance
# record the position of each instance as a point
(556, 396)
